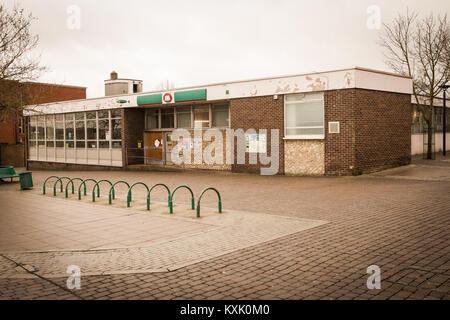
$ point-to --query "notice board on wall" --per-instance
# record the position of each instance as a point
(256, 143)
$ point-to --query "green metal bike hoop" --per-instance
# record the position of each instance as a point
(43, 187)
(129, 196)
(172, 194)
(60, 182)
(97, 185)
(156, 185)
(73, 187)
(114, 192)
(200, 198)
(84, 184)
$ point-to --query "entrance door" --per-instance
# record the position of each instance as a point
(153, 146)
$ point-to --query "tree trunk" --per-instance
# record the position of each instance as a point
(429, 144)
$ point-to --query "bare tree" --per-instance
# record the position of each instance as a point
(420, 48)
(17, 64)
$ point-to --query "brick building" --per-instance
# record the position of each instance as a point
(343, 122)
(12, 131)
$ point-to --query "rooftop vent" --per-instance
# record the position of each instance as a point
(114, 75)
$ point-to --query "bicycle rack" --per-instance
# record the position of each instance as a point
(97, 185)
(60, 182)
(43, 187)
(84, 185)
(172, 194)
(148, 195)
(129, 196)
(73, 188)
(114, 192)
(199, 198)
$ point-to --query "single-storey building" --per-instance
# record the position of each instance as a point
(342, 122)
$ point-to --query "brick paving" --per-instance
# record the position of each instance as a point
(401, 225)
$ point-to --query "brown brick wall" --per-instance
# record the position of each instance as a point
(340, 148)
(258, 113)
(375, 131)
(32, 93)
(133, 126)
(12, 155)
(383, 130)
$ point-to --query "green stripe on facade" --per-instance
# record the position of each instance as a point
(190, 95)
(150, 99)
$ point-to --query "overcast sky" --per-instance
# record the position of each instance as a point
(199, 42)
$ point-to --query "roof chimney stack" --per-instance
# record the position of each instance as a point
(115, 86)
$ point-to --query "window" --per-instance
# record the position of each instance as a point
(116, 129)
(91, 127)
(50, 127)
(84, 137)
(304, 116)
(103, 129)
(69, 126)
(201, 117)
(220, 116)
(79, 130)
(167, 118)
(152, 119)
(184, 117)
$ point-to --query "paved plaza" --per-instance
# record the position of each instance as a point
(278, 237)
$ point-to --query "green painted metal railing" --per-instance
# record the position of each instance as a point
(84, 184)
(73, 187)
(97, 185)
(111, 190)
(172, 194)
(129, 194)
(60, 182)
(199, 198)
(43, 187)
(156, 185)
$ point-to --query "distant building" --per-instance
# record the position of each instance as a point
(115, 86)
(12, 130)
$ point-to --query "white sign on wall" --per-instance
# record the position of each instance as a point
(256, 143)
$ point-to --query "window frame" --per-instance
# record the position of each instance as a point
(304, 136)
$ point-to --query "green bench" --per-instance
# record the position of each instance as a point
(8, 172)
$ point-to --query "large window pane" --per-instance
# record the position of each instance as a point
(152, 119)
(79, 127)
(103, 114)
(304, 115)
(90, 115)
(116, 129)
(184, 117)
(116, 113)
(32, 129)
(59, 130)
(220, 116)
(103, 129)
(79, 116)
(50, 128)
(69, 130)
(91, 127)
(167, 118)
(201, 117)
(41, 128)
